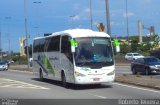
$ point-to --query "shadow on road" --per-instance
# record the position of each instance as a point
(92, 86)
(74, 86)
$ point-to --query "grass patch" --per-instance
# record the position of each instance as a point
(138, 75)
(125, 75)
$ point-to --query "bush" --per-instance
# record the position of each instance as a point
(22, 60)
(19, 59)
(155, 53)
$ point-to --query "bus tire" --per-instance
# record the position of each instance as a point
(41, 75)
(63, 80)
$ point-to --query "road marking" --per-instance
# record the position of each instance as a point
(145, 89)
(21, 71)
(18, 84)
(102, 97)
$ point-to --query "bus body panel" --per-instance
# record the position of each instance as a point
(54, 62)
(95, 76)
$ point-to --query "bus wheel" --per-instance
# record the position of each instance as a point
(63, 77)
(41, 75)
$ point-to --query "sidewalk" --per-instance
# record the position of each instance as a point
(139, 80)
(21, 68)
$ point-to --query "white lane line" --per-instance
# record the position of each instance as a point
(99, 96)
(24, 85)
(145, 89)
(21, 71)
(18, 84)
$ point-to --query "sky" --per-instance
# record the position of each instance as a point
(48, 16)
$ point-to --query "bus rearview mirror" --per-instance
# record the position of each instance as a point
(73, 49)
(117, 49)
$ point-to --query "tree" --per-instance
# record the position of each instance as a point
(135, 47)
(123, 48)
(146, 47)
(156, 41)
(29, 48)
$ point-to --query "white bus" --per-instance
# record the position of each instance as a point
(78, 56)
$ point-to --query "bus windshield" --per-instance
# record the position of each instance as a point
(93, 52)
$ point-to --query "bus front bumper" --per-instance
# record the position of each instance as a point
(94, 79)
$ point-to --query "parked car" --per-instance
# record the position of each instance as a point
(3, 66)
(133, 56)
(146, 65)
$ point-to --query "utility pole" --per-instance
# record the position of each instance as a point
(0, 43)
(26, 31)
(91, 14)
(8, 34)
(108, 18)
(129, 47)
(127, 20)
(140, 31)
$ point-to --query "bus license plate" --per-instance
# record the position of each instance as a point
(96, 79)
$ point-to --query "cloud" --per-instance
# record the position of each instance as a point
(87, 10)
(129, 14)
(82, 15)
(147, 1)
(115, 13)
(95, 23)
(76, 17)
(114, 23)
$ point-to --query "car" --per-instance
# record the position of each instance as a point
(146, 65)
(3, 66)
(10, 61)
(133, 56)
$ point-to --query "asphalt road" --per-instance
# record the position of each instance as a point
(23, 85)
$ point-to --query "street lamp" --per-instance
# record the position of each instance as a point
(9, 42)
(108, 18)
(37, 2)
(26, 31)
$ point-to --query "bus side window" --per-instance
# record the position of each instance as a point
(54, 43)
(66, 47)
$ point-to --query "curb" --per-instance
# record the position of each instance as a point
(143, 81)
(20, 71)
(138, 84)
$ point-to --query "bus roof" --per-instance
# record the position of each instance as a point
(78, 33)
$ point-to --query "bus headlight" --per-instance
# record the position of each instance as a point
(111, 73)
(79, 74)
